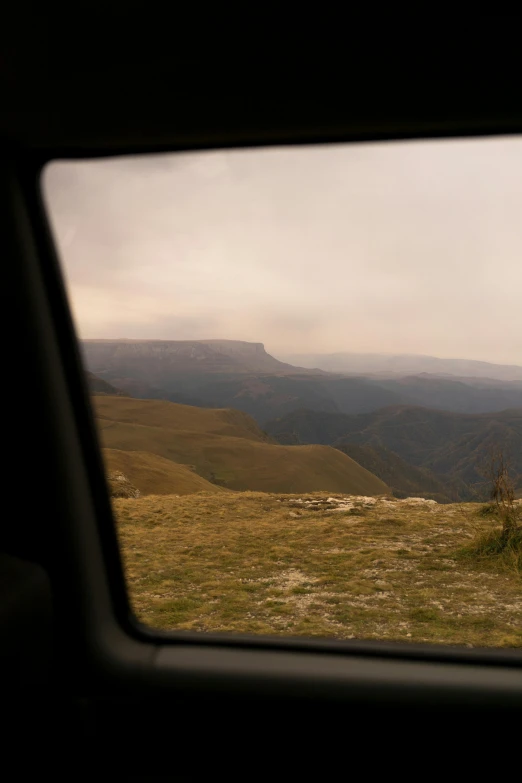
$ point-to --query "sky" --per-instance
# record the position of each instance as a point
(396, 247)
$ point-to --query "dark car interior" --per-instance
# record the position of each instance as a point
(77, 671)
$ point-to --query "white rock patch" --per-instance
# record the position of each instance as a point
(347, 503)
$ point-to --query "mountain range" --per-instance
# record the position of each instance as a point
(242, 375)
(452, 450)
(393, 365)
(426, 434)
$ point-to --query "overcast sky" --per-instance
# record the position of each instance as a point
(411, 247)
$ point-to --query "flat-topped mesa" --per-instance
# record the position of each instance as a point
(234, 356)
(231, 347)
(241, 349)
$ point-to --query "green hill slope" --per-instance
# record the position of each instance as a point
(99, 386)
(447, 444)
(154, 475)
(226, 447)
(404, 480)
(173, 416)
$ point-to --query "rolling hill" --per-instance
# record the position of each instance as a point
(171, 416)
(454, 447)
(227, 448)
(404, 479)
(99, 386)
(154, 475)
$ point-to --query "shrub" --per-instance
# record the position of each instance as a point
(501, 543)
(502, 492)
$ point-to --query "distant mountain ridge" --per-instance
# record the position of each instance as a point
(161, 357)
(266, 396)
(242, 375)
(405, 364)
(424, 433)
(453, 447)
(455, 394)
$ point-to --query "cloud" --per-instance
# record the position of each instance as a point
(410, 246)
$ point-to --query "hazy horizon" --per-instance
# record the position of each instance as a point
(278, 355)
(408, 248)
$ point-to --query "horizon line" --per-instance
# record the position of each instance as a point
(296, 353)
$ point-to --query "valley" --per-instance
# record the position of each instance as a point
(453, 448)
(318, 522)
(429, 433)
(241, 375)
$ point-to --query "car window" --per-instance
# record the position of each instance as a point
(305, 365)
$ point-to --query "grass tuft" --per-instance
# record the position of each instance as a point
(500, 545)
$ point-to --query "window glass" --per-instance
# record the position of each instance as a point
(306, 369)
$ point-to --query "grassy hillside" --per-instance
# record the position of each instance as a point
(226, 447)
(404, 480)
(153, 475)
(447, 444)
(172, 416)
(261, 563)
(99, 386)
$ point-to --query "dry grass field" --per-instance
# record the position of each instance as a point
(316, 565)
